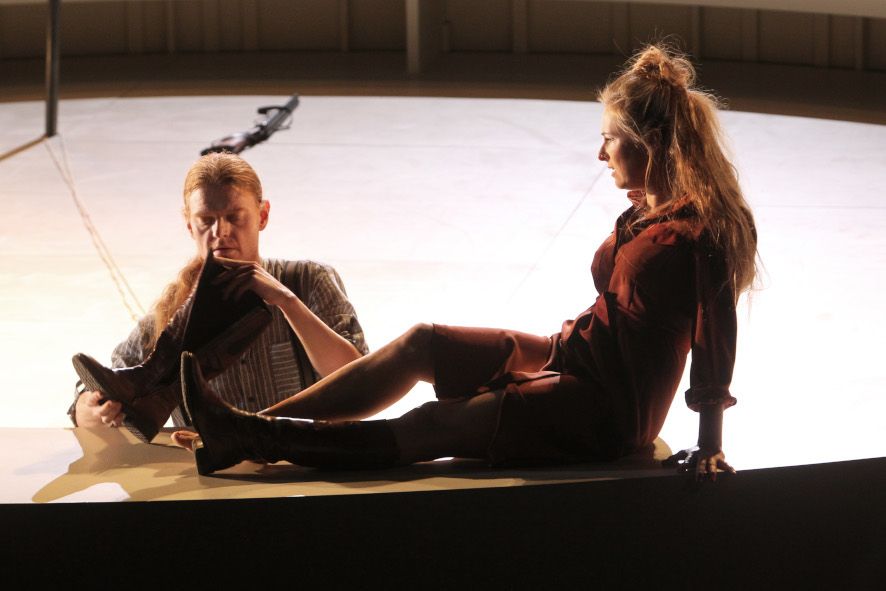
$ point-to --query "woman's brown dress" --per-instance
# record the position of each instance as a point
(602, 386)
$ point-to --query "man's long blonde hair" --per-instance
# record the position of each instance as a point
(655, 103)
(213, 170)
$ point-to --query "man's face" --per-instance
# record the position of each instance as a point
(226, 221)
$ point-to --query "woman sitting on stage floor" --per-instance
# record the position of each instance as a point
(668, 276)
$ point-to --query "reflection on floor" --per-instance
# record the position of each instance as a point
(111, 465)
(460, 211)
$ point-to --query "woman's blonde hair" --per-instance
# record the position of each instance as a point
(219, 169)
(654, 102)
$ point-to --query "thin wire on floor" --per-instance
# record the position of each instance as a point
(553, 239)
(127, 295)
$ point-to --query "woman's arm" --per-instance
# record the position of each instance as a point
(714, 341)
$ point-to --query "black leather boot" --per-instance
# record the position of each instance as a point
(218, 330)
(229, 435)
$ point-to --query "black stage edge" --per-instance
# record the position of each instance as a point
(805, 527)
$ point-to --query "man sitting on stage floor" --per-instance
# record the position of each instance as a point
(313, 327)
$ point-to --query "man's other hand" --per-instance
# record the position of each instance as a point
(93, 410)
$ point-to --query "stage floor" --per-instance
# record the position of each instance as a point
(109, 465)
(452, 210)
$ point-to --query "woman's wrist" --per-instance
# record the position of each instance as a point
(710, 427)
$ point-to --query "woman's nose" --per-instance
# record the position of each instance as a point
(602, 155)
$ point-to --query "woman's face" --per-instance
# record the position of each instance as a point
(626, 160)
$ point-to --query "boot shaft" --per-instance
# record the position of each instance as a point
(220, 330)
(345, 445)
(230, 435)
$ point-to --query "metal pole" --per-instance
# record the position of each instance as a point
(52, 67)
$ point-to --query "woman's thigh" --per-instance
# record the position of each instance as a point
(466, 359)
(554, 418)
(548, 419)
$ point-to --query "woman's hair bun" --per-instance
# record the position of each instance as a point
(660, 63)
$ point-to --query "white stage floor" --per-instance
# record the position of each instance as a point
(111, 465)
(460, 211)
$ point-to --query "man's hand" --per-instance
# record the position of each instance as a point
(185, 439)
(326, 349)
(93, 410)
(242, 276)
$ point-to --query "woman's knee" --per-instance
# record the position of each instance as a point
(420, 334)
(415, 345)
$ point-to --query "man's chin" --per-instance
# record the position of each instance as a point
(226, 253)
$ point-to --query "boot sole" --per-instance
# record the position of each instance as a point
(94, 380)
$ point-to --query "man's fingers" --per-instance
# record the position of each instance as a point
(93, 398)
(116, 420)
(185, 439)
(111, 413)
(238, 283)
(110, 409)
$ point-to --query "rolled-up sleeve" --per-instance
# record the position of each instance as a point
(329, 301)
(134, 350)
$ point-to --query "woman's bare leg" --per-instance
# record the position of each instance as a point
(368, 385)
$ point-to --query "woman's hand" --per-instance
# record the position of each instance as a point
(705, 464)
(709, 463)
(242, 276)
